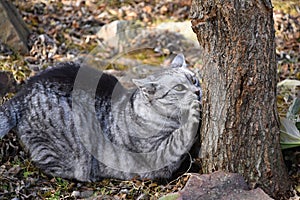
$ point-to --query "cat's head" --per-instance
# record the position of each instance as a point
(172, 88)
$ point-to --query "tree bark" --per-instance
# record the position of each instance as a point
(240, 126)
(13, 30)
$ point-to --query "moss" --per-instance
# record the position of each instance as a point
(286, 6)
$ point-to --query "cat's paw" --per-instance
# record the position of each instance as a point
(190, 112)
(195, 110)
(193, 120)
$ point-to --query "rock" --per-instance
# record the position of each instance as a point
(218, 185)
(86, 194)
(184, 28)
(166, 39)
(118, 34)
(75, 194)
(121, 37)
(13, 31)
(123, 33)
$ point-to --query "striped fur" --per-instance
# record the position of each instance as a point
(41, 114)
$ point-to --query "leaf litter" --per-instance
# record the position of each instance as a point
(61, 30)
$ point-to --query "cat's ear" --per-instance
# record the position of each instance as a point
(179, 61)
(147, 87)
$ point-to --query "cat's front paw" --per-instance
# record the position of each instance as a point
(195, 110)
(190, 112)
(193, 120)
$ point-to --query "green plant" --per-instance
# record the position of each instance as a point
(290, 125)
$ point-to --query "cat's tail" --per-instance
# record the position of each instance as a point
(7, 119)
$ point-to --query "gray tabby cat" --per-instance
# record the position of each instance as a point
(147, 130)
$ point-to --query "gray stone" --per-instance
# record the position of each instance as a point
(184, 28)
(119, 37)
(13, 31)
(129, 34)
(218, 185)
(118, 34)
(86, 194)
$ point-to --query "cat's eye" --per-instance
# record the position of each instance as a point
(179, 87)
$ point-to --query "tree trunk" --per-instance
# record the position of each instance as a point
(13, 30)
(240, 127)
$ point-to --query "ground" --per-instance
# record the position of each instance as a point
(61, 30)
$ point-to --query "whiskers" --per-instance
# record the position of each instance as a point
(186, 173)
